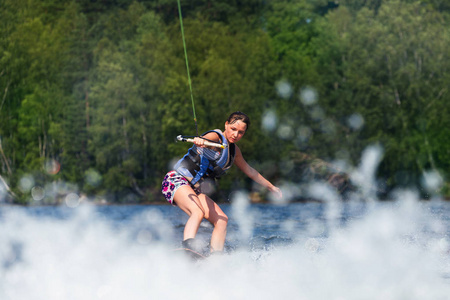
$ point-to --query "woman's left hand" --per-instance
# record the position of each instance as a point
(277, 192)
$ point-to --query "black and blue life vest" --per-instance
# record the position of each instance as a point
(199, 163)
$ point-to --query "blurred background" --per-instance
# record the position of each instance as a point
(93, 94)
(349, 104)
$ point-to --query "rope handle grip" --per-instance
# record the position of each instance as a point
(207, 143)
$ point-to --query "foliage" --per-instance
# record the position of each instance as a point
(94, 93)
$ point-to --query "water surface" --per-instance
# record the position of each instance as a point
(348, 250)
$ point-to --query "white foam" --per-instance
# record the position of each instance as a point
(384, 254)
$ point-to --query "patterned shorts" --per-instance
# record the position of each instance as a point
(172, 181)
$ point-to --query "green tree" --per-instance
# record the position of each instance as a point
(128, 121)
(392, 69)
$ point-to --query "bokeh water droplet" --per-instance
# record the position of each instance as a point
(285, 131)
(304, 133)
(37, 193)
(52, 166)
(269, 120)
(284, 89)
(93, 177)
(72, 200)
(432, 181)
(26, 183)
(355, 121)
(317, 113)
(308, 96)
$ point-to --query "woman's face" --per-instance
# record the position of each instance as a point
(235, 131)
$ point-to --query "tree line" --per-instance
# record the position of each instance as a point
(93, 93)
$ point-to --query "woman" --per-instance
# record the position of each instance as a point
(182, 186)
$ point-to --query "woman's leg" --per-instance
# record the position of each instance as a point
(198, 207)
(215, 215)
(186, 199)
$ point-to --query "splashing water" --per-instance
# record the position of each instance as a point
(398, 250)
(330, 250)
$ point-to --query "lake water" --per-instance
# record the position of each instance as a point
(342, 250)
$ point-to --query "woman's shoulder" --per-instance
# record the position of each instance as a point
(214, 132)
(214, 135)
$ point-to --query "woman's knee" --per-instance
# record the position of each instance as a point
(222, 222)
(197, 213)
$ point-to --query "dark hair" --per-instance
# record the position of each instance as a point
(239, 116)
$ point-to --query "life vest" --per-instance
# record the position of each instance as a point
(199, 163)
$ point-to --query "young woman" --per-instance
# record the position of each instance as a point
(182, 186)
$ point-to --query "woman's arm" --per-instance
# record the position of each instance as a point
(210, 136)
(240, 162)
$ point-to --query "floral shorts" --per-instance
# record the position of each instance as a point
(172, 181)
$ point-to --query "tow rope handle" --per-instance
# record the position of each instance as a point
(207, 143)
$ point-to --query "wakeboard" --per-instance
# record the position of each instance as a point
(191, 253)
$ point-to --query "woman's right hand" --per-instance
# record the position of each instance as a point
(199, 142)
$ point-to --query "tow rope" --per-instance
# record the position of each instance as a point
(187, 65)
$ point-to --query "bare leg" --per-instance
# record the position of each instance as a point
(215, 215)
(189, 202)
(198, 207)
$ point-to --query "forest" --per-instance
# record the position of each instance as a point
(93, 93)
